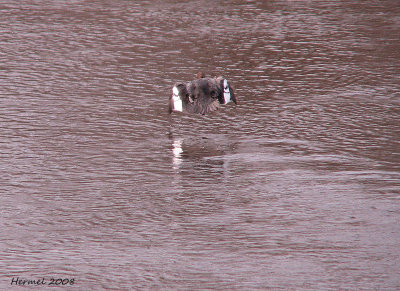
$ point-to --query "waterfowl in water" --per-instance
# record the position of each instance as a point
(202, 95)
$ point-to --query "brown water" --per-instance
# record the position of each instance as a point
(297, 187)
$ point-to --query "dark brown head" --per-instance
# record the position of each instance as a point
(200, 75)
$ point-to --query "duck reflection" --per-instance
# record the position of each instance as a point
(177, 153)
(199, 158)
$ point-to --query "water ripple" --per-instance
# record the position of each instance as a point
(283, 190)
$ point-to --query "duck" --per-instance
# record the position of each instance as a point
(202, 95)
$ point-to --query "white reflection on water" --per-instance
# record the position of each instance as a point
(177, 153)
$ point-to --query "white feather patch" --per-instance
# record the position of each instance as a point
(177, 101)
(227, 92)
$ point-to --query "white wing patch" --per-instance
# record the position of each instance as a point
(176, 99)
(227, 92)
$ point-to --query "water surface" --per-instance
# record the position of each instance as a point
(297, 187)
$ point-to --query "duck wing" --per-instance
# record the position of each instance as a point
(179, 98)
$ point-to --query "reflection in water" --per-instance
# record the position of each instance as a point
(282, 191)
(203, 162)
(177, 153)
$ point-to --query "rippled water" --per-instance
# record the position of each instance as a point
(296, 187)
